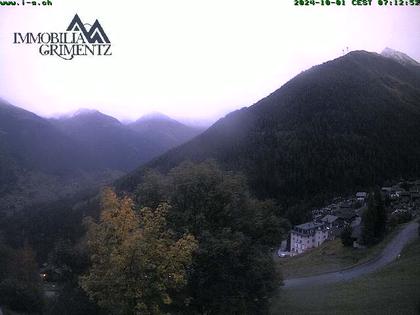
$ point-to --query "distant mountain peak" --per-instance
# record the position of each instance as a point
(92, 116)
(86, 111)
(154, 116)
(399, 56)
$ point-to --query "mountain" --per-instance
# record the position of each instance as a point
(42, 160)
(346, 124)
(111, 144)
(400, 57)
(164, 129)
(38, 162)
(33, 142)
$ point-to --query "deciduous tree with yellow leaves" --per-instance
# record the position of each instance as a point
(136, 262)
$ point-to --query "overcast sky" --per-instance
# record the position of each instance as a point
(196, 59)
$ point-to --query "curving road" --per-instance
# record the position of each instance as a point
(389, 254)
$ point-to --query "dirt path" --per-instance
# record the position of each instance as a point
(389, 254)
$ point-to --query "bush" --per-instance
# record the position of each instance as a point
(400, 217)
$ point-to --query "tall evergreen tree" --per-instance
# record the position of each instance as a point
(381, 215)
(374, 219)
(346, 238)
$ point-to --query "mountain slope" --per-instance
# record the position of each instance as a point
(110, 143)
(42, 160)
(33, 142)
(39, 163)
(347, 123)
(164, 129)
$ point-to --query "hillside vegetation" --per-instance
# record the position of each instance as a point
(346, 124)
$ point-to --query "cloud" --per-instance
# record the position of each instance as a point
(187, 58)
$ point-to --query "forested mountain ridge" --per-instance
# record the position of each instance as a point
(33, 142)
(124, 147)
(110, 143)
(45, 159)
(348, 123)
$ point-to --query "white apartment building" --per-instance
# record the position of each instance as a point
(307, 235)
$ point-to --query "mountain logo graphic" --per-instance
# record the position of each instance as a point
(80, 39)
(95, 34)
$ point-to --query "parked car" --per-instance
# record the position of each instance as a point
(283, 254)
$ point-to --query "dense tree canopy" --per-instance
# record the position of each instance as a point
(232, 270)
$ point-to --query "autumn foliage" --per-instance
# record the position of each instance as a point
(136, 262)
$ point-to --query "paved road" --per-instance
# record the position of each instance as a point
(389, 254)
(1, 313)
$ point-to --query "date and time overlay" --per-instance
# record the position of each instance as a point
(381, 3)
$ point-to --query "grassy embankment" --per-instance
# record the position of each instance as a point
(392, 290)
(330, 256)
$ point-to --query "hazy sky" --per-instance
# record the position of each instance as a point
(198, 58)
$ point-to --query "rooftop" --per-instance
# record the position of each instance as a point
(309, 226)
(346, 215)
(329, 218)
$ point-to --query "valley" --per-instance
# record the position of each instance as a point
(157, 217)
(44, 160)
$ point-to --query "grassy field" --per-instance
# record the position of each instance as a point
(393, 290)
(331, 256)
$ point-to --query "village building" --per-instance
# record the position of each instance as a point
(334, 225)
(361, 196)
(330, 220)
(307, 235)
